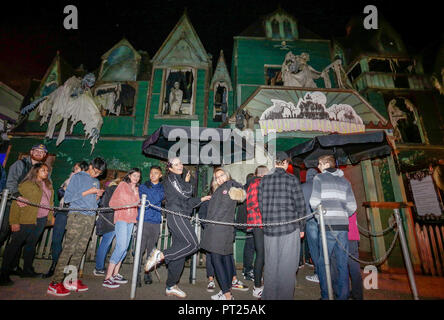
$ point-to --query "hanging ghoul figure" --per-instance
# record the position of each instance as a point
(72, 101)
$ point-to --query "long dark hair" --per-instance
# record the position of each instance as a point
(32, 175)
(127, 178)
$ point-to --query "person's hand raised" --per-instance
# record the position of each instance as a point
(206, 198)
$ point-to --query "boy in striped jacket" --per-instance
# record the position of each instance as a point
(335, 193)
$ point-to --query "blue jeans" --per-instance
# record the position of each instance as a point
(355, 271)
(58, 231)
(123, 236)
(312, 238)
(340, 278)
(102, 251)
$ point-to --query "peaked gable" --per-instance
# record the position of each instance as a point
(120, 63)
(56, 74)
(221, 73)
(182, 46)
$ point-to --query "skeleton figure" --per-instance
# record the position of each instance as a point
(72, 101)
(395, 114)
(297, 73)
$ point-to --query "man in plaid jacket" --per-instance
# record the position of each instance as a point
(281, 199)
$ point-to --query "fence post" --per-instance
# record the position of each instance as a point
(194, 258)
(138, 244)
(405, 253)
(3, 204)
(325, 252)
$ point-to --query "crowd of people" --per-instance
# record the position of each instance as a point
(274, 204)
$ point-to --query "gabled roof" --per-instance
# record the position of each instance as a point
(221, 73)
(63, 71)
(257, 28)
(123, 42)
(182, 46)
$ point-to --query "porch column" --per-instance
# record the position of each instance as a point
(374, 216)
(406, 214)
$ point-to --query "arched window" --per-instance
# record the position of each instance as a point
(275, 32)
(287, 29)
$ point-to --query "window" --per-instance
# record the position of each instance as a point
(276, 34)
(287, 30)
(355, 72)
(273, 76)
(178, 92)
(116, 99)
(220, 102)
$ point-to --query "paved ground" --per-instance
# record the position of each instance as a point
(390, 287)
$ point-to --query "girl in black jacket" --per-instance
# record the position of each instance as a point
(218, 239)
(178, 196)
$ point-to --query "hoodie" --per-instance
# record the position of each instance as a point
(334, 192)
(155, 194)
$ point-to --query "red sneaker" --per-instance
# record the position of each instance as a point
(58, 289)
(76, 286)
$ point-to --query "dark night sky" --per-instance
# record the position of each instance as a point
(31, 33)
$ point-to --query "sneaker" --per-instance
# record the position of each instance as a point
(211, 286)
(309, 264)
(99, 273)
(118, 278)
(300, 266)
(239, 285)
(76, 286)
(109, 283)
(175, 291)
(219, 296)
(58, 289)
(313, 278)
(249, 276)
(153, 259)
(257, 292)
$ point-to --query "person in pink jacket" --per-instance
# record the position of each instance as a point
(126, 193)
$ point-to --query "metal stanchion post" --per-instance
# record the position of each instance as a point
(138, 244)
(3, 204)
(194, 260)
(405, 253)
(325, 251)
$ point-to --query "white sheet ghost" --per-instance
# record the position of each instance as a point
(72, 102)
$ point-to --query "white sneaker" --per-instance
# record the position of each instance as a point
(313, 278)
(175, 291)
(211, 286)
(220, 296)
(153, 259)
(257, 292)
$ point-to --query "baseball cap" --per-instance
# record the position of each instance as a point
(281, 156)
(41, 147)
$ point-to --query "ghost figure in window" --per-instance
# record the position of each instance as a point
(73, 102)
(297, 73)
(395, 114)
(175, 99)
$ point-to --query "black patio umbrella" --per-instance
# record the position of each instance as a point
(214, 146)
(347, 148)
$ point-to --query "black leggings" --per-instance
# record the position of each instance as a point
(258, 234)
(224, 270)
